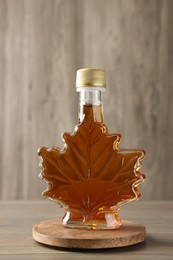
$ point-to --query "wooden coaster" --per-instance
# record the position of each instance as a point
(51, 232)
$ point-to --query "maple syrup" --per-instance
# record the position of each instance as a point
(91, 177)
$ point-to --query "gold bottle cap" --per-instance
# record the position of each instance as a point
(90, 77)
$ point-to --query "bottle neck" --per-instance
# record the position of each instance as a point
(90, 105)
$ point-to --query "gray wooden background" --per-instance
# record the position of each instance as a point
(43, 43)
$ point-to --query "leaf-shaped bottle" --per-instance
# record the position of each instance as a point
(91, 177)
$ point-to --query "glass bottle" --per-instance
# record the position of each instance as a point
(91, 177)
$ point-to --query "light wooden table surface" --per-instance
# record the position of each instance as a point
(17, 219)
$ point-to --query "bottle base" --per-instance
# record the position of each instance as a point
(93, 226)
(110, 222)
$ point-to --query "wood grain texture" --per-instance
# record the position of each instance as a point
(42, 45)
(51, 232)
(17, 219)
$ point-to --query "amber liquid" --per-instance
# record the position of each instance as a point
(91, 177)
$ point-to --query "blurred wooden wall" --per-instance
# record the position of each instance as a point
(43, 43)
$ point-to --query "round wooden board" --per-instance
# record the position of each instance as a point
(51, 232)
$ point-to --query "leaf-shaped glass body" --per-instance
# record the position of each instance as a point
(91, 177)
